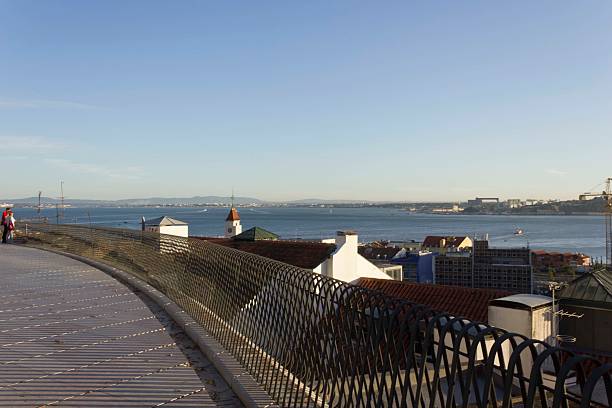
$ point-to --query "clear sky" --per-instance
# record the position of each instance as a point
(379, 100)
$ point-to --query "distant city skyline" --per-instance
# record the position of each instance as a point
(286, 101)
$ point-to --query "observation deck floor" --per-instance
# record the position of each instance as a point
(70, 335)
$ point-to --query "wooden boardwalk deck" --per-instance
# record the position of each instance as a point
(70, 335)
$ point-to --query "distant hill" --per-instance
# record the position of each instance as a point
(314, 201)
(198, 200)
(53, 201)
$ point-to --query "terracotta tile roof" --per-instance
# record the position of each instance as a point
(434, 241)
(470, 303)
(233, 215)
(303, 254)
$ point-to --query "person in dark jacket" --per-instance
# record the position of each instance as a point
(5, 227)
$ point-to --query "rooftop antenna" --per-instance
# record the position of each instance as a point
(556, 337)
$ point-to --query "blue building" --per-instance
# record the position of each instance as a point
(417, 266)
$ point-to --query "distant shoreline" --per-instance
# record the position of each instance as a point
(310, 206)
(517, 214)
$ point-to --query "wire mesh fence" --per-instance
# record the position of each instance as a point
(312, 341)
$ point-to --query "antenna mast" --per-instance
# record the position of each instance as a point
(555, 336)
(62, 197)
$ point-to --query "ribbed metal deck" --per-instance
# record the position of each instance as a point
(70, 335)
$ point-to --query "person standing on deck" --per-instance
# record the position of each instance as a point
(10, 225)
(4, 226)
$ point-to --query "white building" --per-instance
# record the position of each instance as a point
(337, 258)
(396, 272)
(525, 314)
(232, 224)
(345, 263)
(529, 315)
(514, 203)
(166, 225)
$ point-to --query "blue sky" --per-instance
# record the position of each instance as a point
(394, 100)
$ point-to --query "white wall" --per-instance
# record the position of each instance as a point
(532, 324)
(542, 324)
(346, 264)
(365, 269)
(514, 320)
(232, 228)
(395, 271)
(176, 230)
(449, 346)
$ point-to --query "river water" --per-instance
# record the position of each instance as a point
(554, 233)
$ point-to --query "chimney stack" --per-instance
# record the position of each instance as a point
(349, 238)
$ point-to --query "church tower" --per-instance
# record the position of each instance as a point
(232, 222)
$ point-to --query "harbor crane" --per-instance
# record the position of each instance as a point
(606, 194)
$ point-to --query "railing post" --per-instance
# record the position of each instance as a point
(91, 235)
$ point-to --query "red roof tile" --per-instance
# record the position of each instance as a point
(470, 303)
(233, 215)
(306, 254)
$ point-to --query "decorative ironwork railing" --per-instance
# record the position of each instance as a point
(314, 341)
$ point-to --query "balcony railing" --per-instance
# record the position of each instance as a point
(314, 341)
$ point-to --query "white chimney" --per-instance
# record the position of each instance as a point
(348, 239)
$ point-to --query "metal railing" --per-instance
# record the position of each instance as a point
(314, 341)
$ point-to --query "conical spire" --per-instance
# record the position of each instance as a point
(233, 215)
